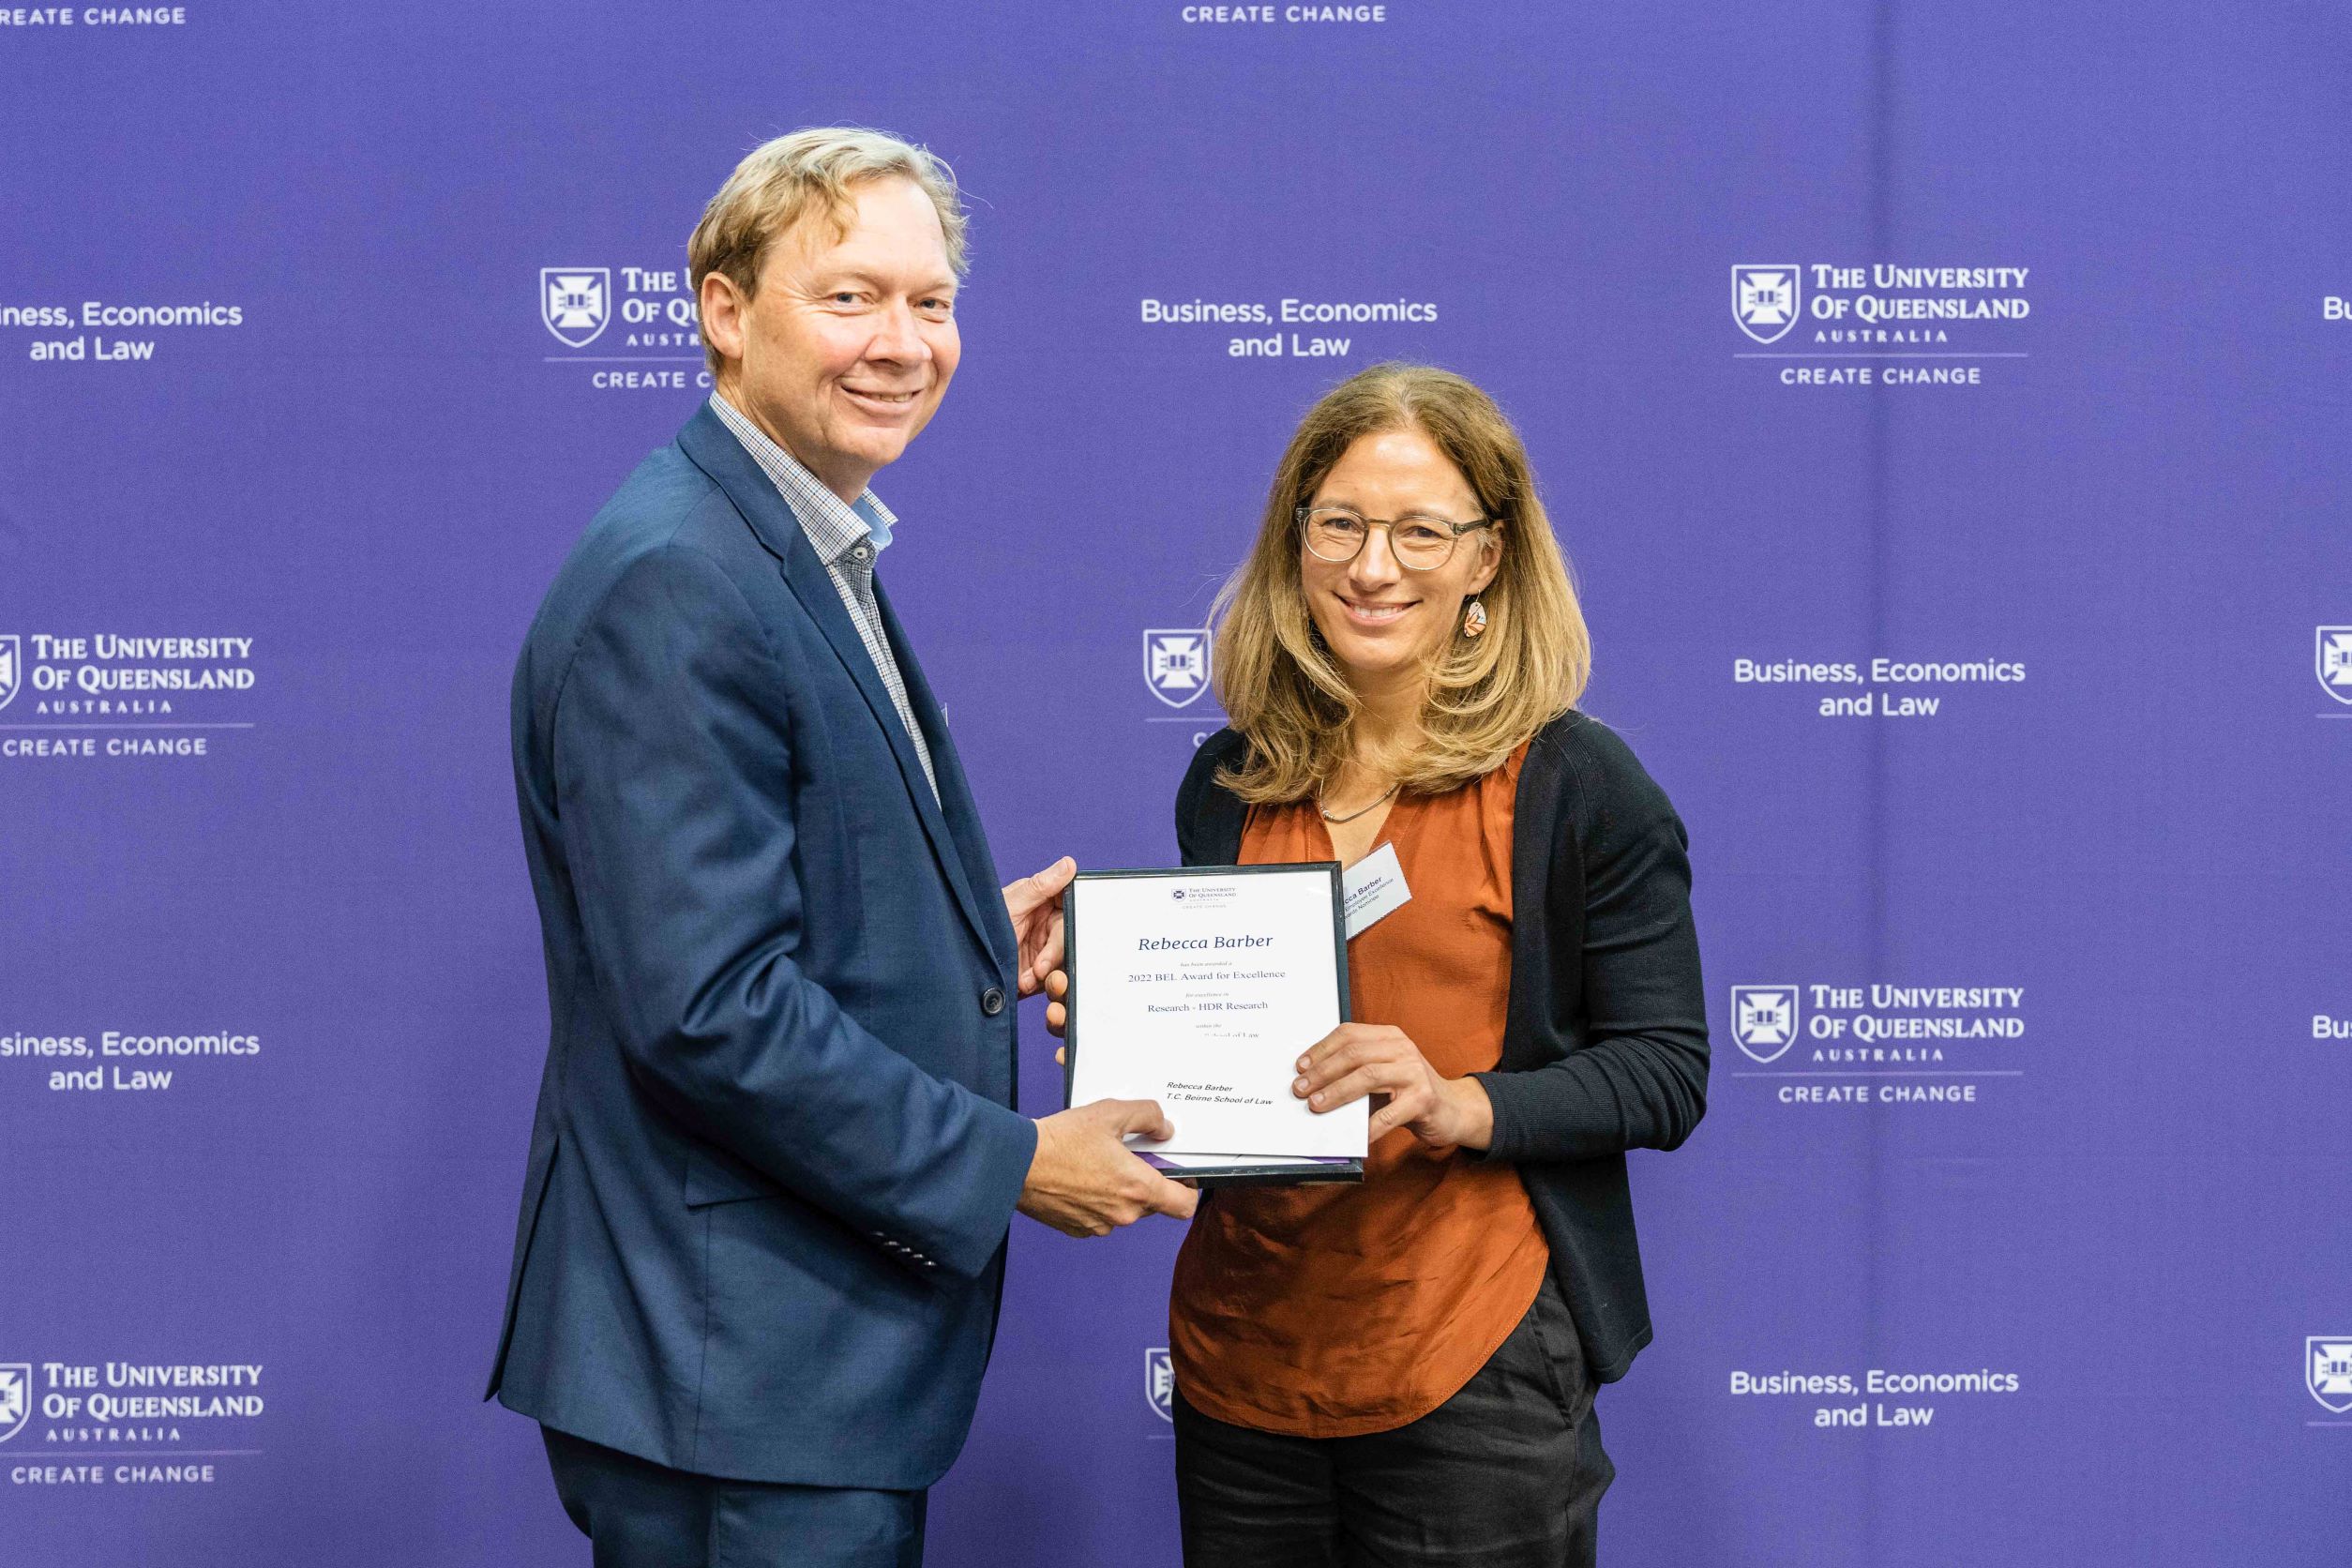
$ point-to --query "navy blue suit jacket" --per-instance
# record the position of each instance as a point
(773, 1158)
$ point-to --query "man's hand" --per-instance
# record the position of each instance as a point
(1360, 1059)
(1084, 1182)
(1034, 902)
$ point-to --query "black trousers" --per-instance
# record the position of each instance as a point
(1508, 1473)
(641, 1515)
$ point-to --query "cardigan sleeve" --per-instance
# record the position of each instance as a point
(1638, 1077)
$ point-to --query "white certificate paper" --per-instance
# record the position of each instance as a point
(1200, 989)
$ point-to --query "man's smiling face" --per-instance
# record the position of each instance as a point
(846, 350)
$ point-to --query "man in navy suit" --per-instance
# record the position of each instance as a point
(761, 1252)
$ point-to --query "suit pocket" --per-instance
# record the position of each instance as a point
(718, 1180)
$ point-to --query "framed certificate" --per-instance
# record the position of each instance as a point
(1199, 988)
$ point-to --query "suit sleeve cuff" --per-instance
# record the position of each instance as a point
(1007, 1145)
(1013, 1149)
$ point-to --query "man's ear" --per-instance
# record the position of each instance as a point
(723, 306)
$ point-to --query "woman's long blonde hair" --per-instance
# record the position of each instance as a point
(1281, 688)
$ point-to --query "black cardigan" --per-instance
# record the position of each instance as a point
(1605, 1044)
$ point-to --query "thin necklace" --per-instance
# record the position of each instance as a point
(1362, 810)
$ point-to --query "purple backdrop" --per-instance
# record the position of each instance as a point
(2005, 341)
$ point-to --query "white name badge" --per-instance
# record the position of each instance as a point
(1372, 889)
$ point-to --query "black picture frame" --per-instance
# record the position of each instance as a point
(1281, 1174)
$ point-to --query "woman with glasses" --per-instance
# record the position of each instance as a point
(1402, 1372)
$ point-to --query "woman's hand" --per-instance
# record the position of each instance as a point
(1360, 1059)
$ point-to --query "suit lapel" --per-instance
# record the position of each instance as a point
(715, 450)
(955, 790)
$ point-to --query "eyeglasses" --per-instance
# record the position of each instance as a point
(1419, 541)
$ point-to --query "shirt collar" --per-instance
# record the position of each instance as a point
(834, 527)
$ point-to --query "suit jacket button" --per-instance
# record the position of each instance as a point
(992, 1000)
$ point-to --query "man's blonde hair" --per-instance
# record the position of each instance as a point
(809, 170)
(1285, 692)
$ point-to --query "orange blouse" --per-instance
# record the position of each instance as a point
(1334, 1311)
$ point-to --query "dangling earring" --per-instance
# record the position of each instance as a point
(1474, 619)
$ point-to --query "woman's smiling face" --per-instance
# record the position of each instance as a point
(1381, 620)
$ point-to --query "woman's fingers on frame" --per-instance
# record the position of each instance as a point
(1388, 1048)
(1355, 1086)
(1322, 1049)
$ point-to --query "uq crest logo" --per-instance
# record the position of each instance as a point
(16, 1397)
(11, 666)
(1159, 1383)
(1176, 664)
(1764, 300)
(576, 302)
(1764, 1019)
(2328, 1371)
(2334, 663)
